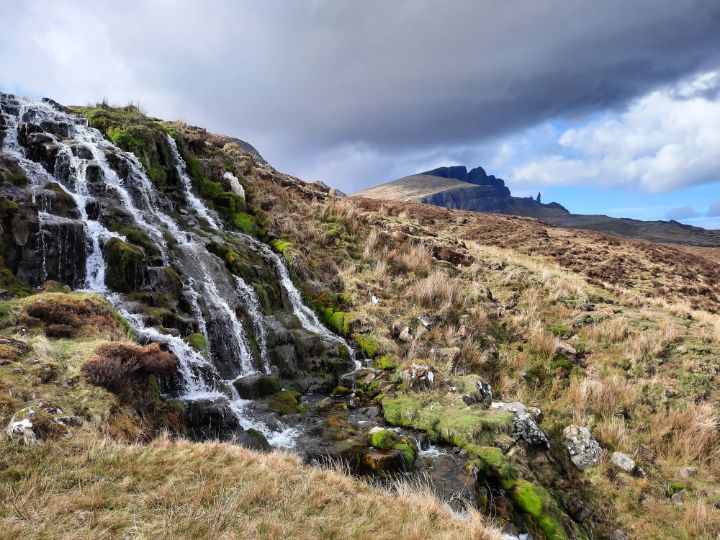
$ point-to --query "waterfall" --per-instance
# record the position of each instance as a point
(212, 293)
(307, 317)
(192, 199)
(255, 312)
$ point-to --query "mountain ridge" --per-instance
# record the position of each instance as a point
(456, 187)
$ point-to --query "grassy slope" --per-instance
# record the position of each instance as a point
(90, 488)
(649, 343)
(92, 485)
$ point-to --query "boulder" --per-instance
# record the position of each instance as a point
(210, 419)
(420, 376)
(257, 385)
(584, 450)
(624, 462)
(524, 422)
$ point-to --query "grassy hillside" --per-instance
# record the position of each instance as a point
(93, 477)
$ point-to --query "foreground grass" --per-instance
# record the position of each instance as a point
(90, 488)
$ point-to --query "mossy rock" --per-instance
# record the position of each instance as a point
(387, 362)
(539, 505)
(9, 282)
(382, 438)
(284, 402)
(125, 266)
(341, 391)
(457, 425)
(257, 385)
(368, 345)
(283, 247)
(198, 342)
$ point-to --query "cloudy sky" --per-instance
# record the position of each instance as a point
(608, 107)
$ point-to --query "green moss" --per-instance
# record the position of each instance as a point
(284, 402)
(244, 222)
(124, 266)
(341, 391)
(198, 342)
(367, 344)
(409, 451)
(135, 235)
(9, 282)
(284, 247)
(539, 504)
(458, 425)
(382, 438)
(263, 296)
(124, 324)
(386, 362)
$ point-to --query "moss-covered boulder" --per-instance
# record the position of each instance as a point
(125, 266)
(284, 402)
(451, 423)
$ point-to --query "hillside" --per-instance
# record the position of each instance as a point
(456, 188)
(563, 382)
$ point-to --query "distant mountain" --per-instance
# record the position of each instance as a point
(457, 188)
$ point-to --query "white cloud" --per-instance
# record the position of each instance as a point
(665, 140)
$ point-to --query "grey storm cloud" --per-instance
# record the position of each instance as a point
(357, 89)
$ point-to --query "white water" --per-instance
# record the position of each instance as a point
(139, 199)
(255, 311)
(305, 315)
(192, 199)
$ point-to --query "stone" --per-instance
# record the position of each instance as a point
(21, 427)
(617, 534)
(405, 335)
(419, 376)
(677, 498)
(584, 450)
(427, 320)
(686, 472)
(256, 385)
(624, 462)
(524, 422)
(481, 395)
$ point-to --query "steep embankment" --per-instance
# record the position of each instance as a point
(561, 381)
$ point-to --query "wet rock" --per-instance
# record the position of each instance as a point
(210, 419)
(624, 462)
(253, 439)
(284, 402)
(383, 461)
(423, 441)
(419, 376)
(126, 266)
(257, 385)
(584, 450)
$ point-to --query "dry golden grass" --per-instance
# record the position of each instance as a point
(701, 520)
(438, 291)
(542, 341)
(416, 258)
(606, 396)
(689, 435)
(614, 431)
(87, 488)
(612, 330)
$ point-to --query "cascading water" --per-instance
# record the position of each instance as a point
(192, 199)
(83, 171)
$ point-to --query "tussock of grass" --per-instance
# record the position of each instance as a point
(176, 489)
